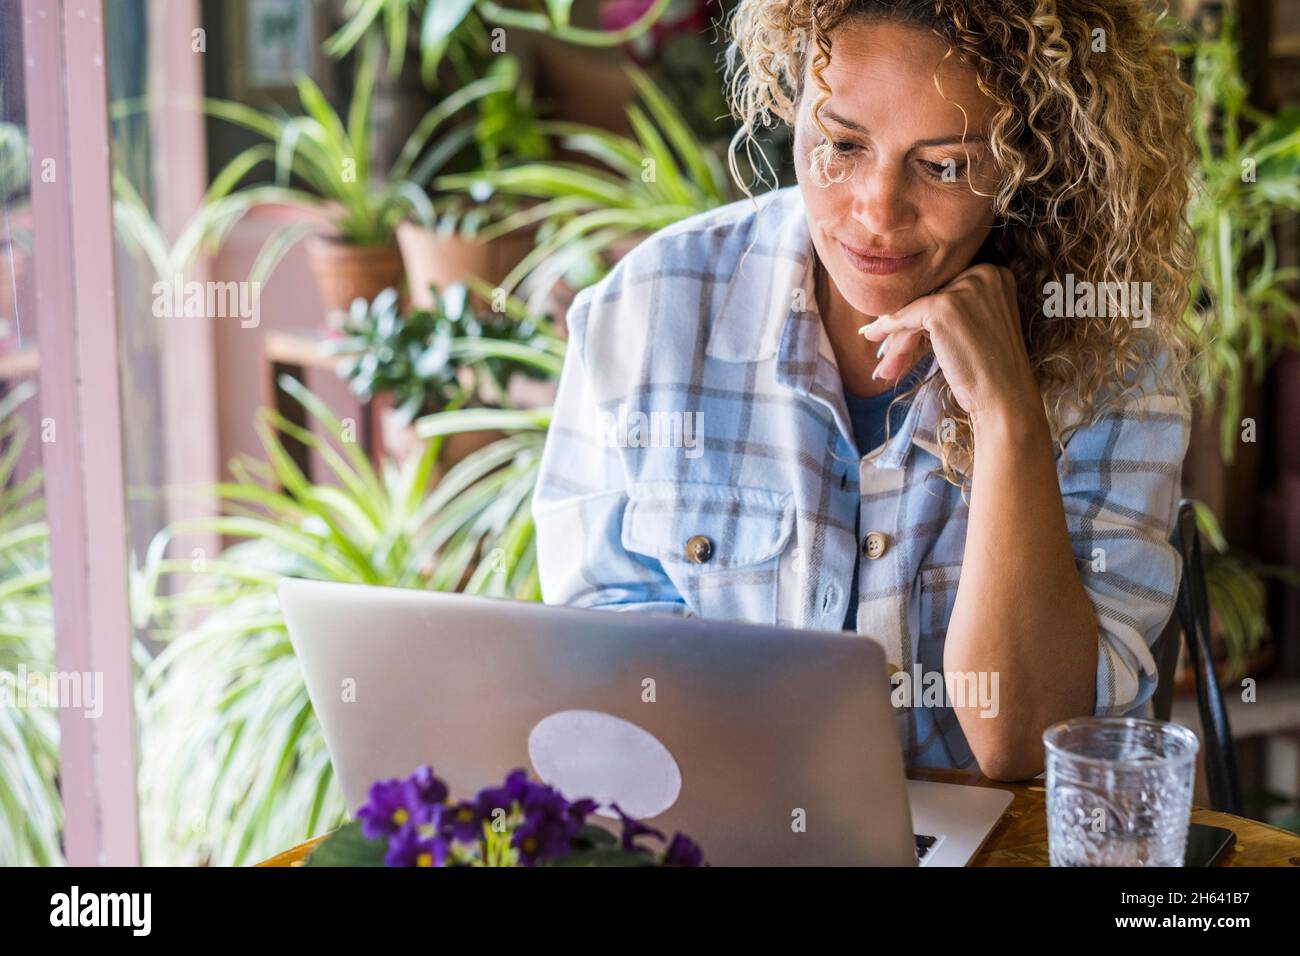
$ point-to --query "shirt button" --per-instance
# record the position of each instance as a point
(699, 549)
(875, 544)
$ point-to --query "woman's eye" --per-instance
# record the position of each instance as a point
(843, 147)
(947, 171)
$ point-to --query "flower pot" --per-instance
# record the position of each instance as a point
(345, 272)
(437, 261)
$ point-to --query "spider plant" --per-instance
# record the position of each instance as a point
(1240, 307)
(428, 359)
(653, 181)
(30, 807)
(444, 22)
(234, 768)
(205, 230)
(330, 157)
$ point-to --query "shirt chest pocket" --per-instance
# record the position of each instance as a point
(720, 545)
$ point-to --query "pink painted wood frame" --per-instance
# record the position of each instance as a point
(67, 110)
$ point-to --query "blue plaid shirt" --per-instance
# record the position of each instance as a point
(701, 461)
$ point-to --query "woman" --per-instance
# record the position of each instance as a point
(987, 235)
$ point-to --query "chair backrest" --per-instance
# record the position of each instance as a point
(1191, 622)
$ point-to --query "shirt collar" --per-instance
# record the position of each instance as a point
(773, 263)
(775, 280)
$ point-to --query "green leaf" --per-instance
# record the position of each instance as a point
(559, 11)
(441, 20)
(348, 846)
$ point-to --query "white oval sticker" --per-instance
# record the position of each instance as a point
(587, 753)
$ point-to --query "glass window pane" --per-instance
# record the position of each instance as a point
(31, 689)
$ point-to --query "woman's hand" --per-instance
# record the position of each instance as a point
(973, 326)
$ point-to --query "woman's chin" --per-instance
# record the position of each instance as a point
(881, 298)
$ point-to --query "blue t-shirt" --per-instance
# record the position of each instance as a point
(868, 417)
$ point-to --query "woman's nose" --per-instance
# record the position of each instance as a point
(880, 202)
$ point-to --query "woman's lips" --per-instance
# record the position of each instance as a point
(880, 263)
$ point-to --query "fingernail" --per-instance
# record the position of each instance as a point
(881, 351)
(866, 328)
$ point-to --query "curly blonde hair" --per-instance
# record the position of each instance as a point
(1093, 153)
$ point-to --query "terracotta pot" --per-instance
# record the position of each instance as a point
(437, 261)
(345, 272)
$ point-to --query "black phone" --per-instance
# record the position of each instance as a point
(1206, 846)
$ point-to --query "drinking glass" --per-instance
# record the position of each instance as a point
(1119, 791)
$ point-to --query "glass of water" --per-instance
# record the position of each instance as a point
(1119, 791)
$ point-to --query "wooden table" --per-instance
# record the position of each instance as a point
(1020, 839)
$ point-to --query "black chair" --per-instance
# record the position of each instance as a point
(1191, 620)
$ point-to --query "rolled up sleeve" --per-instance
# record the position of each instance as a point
(581, 495)
(1121, 482)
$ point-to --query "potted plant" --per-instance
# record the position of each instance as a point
(454, 248)
(679, 52)
(358, 255)
(1240, 310)
(1240, 307)
(412, 822)
(448, 357)
(588, 216)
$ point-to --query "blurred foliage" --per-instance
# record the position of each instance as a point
(233, 765)
(31, 810)
(1245, 181)
(446, 27)
(663, 176)
(428, 359)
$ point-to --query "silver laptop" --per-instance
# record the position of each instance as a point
(767, 746)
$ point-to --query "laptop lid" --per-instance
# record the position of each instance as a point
(765, 745)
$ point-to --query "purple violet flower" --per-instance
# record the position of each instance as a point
(417, 846)
(387, 810)
(465, 820)
(683, 851)
(633, 828)
(425, 787)
(420, 826)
